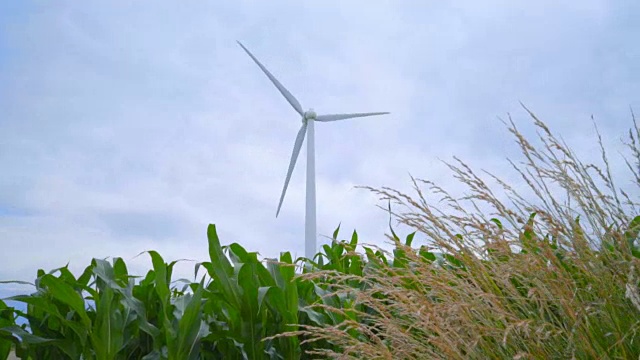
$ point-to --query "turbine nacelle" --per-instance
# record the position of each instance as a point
(310, 115)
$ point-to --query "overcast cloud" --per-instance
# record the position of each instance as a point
(130, 126)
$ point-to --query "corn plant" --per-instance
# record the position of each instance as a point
(246, 301)
(7, 320)
(237, 310)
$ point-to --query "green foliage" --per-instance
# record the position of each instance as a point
(244, 308)
(238, 310)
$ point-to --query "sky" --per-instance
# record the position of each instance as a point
(131, 126)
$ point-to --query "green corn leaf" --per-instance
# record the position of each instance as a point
(354, 240)
(215, 250)
(66, 275)
(189, 327)
(6, 320)
(49, 310)
(357, 265)
(107, 335)
(286, 272)
(336, 231)
(103, 270)
(67, 295)
(426, 254)
(252, 329)
(5, 347)
(220, 269)
(409, 239)
(120, 271)
(279, 304)
(154, 355)
(275, 299)
(26, 337)
(316, 317)
(39, 302)
(242, 254)
(160, 270)
(83, 280)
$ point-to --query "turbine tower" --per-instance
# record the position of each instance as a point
(309, 117)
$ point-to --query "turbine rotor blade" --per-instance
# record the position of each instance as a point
(290, 98)
(335, 117)
(294, 156)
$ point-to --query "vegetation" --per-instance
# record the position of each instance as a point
(553, 273)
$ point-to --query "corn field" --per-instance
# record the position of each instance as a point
(553, 276)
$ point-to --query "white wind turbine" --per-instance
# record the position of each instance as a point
(308, 118)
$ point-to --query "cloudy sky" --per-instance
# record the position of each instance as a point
(130, 126)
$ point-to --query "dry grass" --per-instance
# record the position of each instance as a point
(561, 284)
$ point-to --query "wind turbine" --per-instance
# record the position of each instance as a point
(308, 119)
